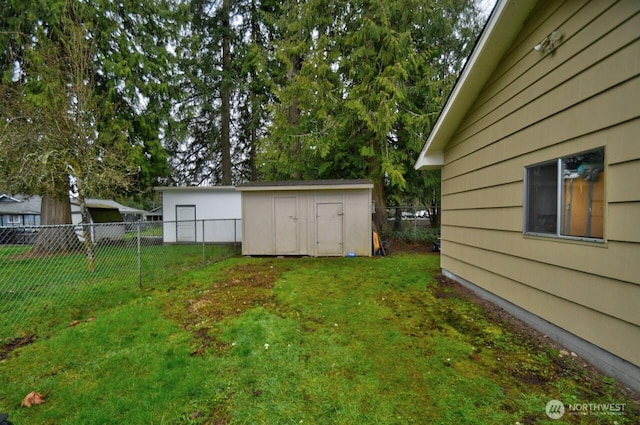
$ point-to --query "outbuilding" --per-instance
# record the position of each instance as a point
(317, 218)
(209, 214)
(105, 217)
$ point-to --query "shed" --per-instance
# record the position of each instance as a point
(538, 147)
(314, 218)
(105, 217)
(210, 214)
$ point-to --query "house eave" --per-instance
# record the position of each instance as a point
(430, 161)
(503, 26)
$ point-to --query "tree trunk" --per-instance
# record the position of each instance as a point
(375, 174)
(294, 118)
(434, 215)
(86, 227)
(226, 94)
(253, 151)
(380, 216)
(397, 221)
(254, 102)
(56, 211)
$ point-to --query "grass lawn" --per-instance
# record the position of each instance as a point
(299, 341)
(38, 293)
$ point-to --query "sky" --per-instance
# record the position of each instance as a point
(487, 6)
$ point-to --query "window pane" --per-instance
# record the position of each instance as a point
(542, 198)
(583, 194)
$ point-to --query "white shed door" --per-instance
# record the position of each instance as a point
(186, 223)
(286, 225)
(329, 232)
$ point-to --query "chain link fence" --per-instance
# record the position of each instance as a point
(410, 223)
(61, 274)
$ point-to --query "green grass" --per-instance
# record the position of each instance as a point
(39, 293)
(312, 341)
(146, 230)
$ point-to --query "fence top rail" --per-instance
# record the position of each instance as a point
(118, 223)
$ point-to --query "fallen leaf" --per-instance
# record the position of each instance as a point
(75, 322)
(33, 398)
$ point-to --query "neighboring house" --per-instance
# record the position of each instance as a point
(154, 215)
(17, 214)
(540, 156)
(24, 211)
(19, 210)
(315, 218)
(194, 214)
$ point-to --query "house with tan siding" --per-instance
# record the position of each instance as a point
(539, 149)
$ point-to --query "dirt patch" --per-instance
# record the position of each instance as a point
(8, 347)
(245, 287)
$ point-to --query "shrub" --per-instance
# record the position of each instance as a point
(426, 235)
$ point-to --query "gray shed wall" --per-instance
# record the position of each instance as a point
(324, 222)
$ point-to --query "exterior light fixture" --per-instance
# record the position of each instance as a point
(549, 43)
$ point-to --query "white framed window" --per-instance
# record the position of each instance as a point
(564, 197)
(15, 219)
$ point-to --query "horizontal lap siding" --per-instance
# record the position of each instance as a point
(623, 223)
(536, 74)
(536, 108)
(503, 195)
(616, 336)
(619, 257)
(606, 109)
(575, 286)
(621, 143)
(626, 171)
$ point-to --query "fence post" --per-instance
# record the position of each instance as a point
(415, 224)
(139, 258)
(203, 253)
(235, 234)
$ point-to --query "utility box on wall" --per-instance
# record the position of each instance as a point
(318, 218)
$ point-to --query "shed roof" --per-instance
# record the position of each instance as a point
(108, 204)
(194, 189)
(306, 185)
(499, 33)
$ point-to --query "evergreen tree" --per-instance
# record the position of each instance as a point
(246, 89)
(370, 78)
(254, 84)
(84, 94)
